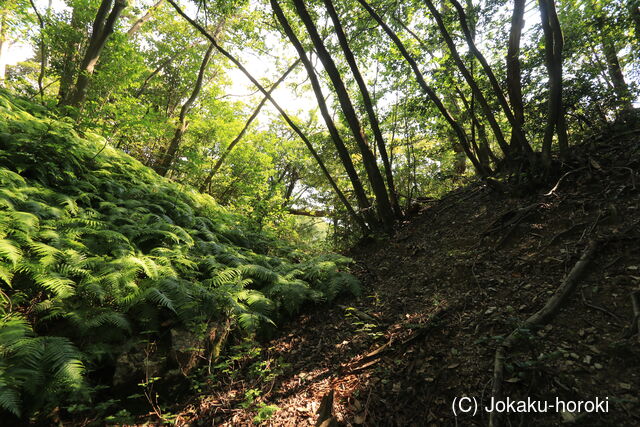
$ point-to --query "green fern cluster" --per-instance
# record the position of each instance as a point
(96, 249)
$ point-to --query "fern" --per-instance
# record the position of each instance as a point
(101, 248)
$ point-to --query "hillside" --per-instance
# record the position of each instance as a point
(112, 276)
(443, 293)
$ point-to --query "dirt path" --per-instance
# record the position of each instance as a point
(441, 294)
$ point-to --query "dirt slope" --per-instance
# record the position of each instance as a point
(441, 294)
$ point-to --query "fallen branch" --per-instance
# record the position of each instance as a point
(539, 318)
(373, 356)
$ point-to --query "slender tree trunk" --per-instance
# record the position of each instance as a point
(426, 88)
(383, 205)
(469, 78)
(368, 105)
(623, 94)
(140, 21)
(514, 73)
(71, 59)
(352, 213)
(238, 138)
(169, 156)
(343, 153)
(43, 49)
(482, 149)
(516, 126)
(103, 27)
(553, 59)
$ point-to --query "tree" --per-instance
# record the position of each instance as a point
(103, 26)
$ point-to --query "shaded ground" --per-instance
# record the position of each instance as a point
(441, 294)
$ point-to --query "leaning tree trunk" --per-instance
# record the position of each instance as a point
(238, 138)
(352, 213)
(514, 72)
(486, 109)
(383, 205)
(368, 105)
(431, 94)
(623, 94)
(516, 125)
(343, 153)
(140, 21)
(103, 27)
(169, 156)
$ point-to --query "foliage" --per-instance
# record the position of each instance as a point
(95, 249)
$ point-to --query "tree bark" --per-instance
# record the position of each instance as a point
(238, 138)
(514, 73)
(169, 156)
(516, 126)
(553, 60)
(383, 205)
(103, 27)
(352, 213)
(368, 105)
(486, 109)
(460, 134)
(623, 94)
(71, 59)
(343, 153)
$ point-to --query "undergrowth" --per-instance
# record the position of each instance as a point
(98, 253)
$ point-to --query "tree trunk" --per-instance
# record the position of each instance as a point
(70, 62)
(238, 138)
(103, 27)
(486, 109)
(357, 218)
(169, 156)
(482, 149)
(140, 21)
(516, 126)
(514, 73)
(553, 60)
(383, 206)
(460, 134)
(43, 49)
(368, 105)
(623, 94)
(343, 153)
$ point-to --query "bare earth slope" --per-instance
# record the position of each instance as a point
(449, 286)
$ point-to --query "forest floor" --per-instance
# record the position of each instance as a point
(442, 293)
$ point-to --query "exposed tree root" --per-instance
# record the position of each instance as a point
(539, 318)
